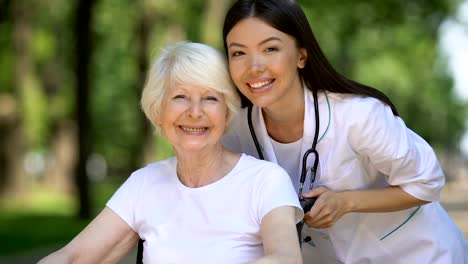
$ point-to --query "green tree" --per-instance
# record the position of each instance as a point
(392, 46)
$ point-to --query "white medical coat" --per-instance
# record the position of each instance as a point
(362, 146)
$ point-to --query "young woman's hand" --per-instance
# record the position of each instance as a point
(329, 207)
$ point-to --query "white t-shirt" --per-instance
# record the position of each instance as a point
(216, 223)
(289, 157)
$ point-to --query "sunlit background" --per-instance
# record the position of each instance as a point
(454, 43)
(71, 74)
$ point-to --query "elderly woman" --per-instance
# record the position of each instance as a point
(206, 204)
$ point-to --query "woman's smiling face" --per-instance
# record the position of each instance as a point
(192, 117)
(263, 62)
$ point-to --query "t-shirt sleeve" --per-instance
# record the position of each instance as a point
(276, 190)
(124, 199)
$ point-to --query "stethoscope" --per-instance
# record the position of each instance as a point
(306, 154)
(306, 203)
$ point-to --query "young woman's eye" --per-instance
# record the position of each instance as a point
(271, 49)
(237, 53)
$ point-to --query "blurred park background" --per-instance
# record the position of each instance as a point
(71, 74)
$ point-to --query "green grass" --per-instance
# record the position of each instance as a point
(21, 232)
(45, 218)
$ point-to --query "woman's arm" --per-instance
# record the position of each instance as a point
(402, 158)
(106, 239)
(331, 206)
(279, 235)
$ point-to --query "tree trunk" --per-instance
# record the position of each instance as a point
(83, 51)
(16, 179)
(10, 154)
(59, 172)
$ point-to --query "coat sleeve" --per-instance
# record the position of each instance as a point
(405, 158)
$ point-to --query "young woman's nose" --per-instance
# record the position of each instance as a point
(256, 63)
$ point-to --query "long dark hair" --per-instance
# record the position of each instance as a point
(287, 16)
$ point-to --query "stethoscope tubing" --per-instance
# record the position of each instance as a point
(306, 203)
(306, 154)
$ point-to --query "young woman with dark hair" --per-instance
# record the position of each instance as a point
(376, 182)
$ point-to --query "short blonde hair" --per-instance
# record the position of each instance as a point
(193, 63)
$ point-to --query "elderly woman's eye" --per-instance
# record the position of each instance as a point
(179, 96)
(211, 98)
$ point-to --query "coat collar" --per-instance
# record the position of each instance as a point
(309, 126)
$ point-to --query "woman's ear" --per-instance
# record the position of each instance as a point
(302, 58)
(157, 118)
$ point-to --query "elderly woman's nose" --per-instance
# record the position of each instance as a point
(195, 109)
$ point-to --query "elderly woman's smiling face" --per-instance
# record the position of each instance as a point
(192, 118)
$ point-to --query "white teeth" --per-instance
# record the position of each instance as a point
(259, 84)
(193, 129)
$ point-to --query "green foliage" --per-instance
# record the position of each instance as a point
(163, 148)
(23, 232)
(115, 88)
(46, 218)
(35, 112)
(392, 46)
